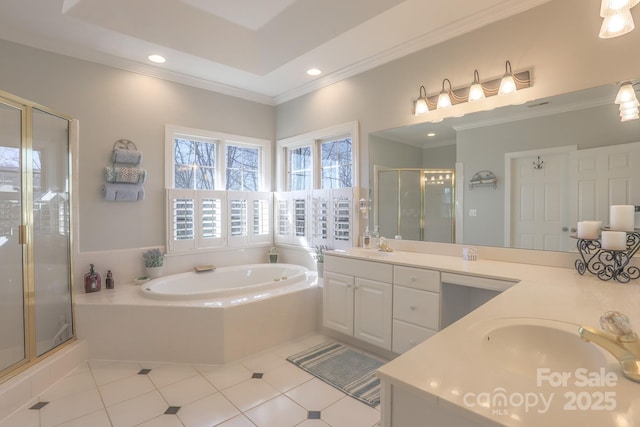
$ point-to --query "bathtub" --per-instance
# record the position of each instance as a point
(210, 317)
(225, 281)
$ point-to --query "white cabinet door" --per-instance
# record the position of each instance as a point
(337, 302)
(373, 304)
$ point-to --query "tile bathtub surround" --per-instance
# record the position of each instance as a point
(262, 390)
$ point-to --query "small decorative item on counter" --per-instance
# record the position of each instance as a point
(469, 254)
(273, 255)
(92, 280)
(109, 283)
(154, 263)
(319, 256)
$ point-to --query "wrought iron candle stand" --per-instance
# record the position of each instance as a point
(609, 264)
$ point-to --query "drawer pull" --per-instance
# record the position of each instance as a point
(413, 278)
(412, 343)
(413, 308)
(349, 286)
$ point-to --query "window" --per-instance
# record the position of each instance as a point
(243, 168)
(315, 205)
(335, 163)
(300, 170)
(323, 159)
(212, 177)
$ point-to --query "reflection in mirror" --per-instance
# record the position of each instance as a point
(418, 204)
(557, 160)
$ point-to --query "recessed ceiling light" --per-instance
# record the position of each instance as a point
(158, 59)
(431, 134)
(314, 71)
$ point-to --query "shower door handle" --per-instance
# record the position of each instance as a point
(22, 234)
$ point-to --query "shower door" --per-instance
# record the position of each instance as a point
(35, 242)
(12, 296)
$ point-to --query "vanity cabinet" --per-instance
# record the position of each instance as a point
(416, 306)
(357, 299)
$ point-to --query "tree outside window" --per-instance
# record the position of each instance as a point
(243, 168)
(194, 163)
(336, 163)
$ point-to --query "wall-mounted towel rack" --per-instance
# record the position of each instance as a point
(124, 177)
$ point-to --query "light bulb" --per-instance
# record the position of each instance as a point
(421, 106)
(626, 93)
(476, 92)
(444, 101)
(617, 25)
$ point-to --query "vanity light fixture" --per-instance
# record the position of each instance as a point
(617, 17)
(476, 92)
(422, 106)
(508, 83)
(448, 96)
(444, 99)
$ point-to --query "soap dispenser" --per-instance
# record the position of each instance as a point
(92, 280)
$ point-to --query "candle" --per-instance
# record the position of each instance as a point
(589, 229)
(614, 240)
(621, 217)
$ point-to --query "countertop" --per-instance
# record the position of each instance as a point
(451, 368)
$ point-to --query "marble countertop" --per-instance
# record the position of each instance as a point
(451, 368)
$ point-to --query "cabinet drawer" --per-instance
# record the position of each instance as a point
(418, 278)
(422, 308)
(358, 268)
(407, 336)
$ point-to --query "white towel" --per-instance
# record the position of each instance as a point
(123, 192)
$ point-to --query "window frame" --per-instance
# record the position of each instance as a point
(226, 240)
(315, 139)
(221, 140)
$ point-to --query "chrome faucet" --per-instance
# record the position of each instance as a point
(383, 246)
(619, 339)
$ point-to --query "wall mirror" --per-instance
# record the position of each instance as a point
(556, 161)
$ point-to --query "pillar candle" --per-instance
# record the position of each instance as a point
(589, 229)
(614, 240)
(621, 217)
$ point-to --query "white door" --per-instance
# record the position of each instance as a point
(372, 317)
(539, 200)
(337, 302)
(602, 177)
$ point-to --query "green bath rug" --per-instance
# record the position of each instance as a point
(344, 368)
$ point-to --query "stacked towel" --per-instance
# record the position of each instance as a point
(131, 157)
(123, 192)
(125, 174)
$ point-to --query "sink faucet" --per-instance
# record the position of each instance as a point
(619, 339)
(383, 246)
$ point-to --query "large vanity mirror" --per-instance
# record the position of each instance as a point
(555, 161)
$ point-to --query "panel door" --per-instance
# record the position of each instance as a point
(604, 176)
(540, 207)
(337, 302)
(372, 317)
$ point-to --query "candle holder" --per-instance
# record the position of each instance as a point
(608, 264)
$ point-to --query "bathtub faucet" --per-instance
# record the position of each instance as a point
(619, 339)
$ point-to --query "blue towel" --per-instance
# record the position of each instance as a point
(123, 192)
(132, 157)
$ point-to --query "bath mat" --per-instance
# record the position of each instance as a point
(344, 368)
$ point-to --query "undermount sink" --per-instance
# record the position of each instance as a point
(522, 345)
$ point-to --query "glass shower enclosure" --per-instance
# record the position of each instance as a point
(416, 204)
(35, 237)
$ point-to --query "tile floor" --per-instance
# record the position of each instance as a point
(263, 390)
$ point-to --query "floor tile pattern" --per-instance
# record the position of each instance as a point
(263, 390)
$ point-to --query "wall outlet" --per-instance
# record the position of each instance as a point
(473, 212)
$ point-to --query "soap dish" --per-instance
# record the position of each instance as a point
(202, 268)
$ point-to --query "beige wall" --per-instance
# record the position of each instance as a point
(557, 41)
(112, 104)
